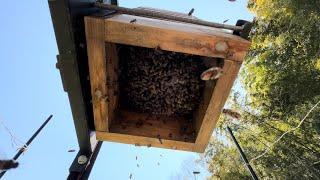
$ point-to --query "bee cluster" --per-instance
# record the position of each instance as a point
(159, 82)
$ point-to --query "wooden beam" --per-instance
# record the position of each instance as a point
(175, 36)
(144, 124)
(145, 141)
(112, 80)
(218, 99)
(97, 68)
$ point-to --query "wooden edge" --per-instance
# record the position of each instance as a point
(218, 99)
(145, 141)
(148, 125)
(112, 80)
(174, 36)
(206, 96)
(94, 28)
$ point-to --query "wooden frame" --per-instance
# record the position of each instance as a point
(103, 33)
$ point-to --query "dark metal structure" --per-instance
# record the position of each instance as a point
(68, 21)
(154, 14)
(243, 156)
(72, 62)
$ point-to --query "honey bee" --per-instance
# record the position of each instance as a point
(231, 113)
(133, 21)
(191, 12)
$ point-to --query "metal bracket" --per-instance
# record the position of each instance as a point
(83, 163)
(68, 21)
(247, 26)
(104, 13)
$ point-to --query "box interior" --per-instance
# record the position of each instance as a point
(157, 93)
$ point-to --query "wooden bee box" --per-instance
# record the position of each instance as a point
(113, 123)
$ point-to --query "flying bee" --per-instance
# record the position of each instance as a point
(231, 113)
(191, 12)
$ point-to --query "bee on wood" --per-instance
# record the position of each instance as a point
(159, 137)
(133, 21)
(231, 113)
(212, 73)
(139, 123)
(158, 50)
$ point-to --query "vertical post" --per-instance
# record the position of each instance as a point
(28, 142)
(81, 171)
(252, 173)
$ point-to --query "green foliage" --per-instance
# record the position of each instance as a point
(281, 68)
(281, 76)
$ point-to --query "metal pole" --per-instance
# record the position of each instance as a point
(148, 13)
(82, 172)
(28, 142)
(92, 160)
(253, 174)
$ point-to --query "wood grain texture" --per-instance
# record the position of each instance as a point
(174, 36)
(97, 68)
(112, 80)
(218, 99)
(147, 125)
(145, 141)
(206, 97)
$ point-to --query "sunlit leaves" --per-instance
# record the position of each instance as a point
(281, 76)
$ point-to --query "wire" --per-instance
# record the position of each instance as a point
(14, 139)
(302, 161)
(291, 130)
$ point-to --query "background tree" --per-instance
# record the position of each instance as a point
(281, 78)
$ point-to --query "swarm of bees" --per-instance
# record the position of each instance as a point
(159, 82)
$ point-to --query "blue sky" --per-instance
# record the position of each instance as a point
(31, 90)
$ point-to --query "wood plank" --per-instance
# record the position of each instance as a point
(175, 36)
(112, 80)
(203, 106)
(143, 124)
(218, 99)
(145, 141)
(206, 96)
(97, 68)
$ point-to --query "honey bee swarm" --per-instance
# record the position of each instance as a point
(159, 82)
